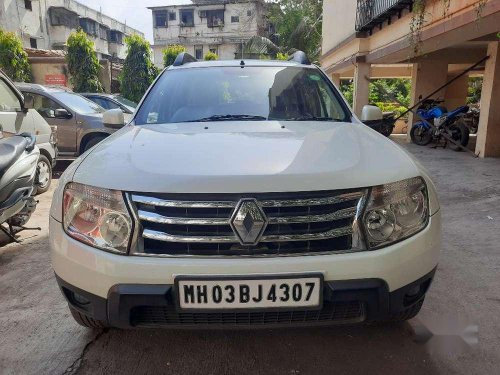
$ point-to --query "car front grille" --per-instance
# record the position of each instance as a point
(333, 312)
(199, 225)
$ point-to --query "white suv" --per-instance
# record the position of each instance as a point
(244, 193)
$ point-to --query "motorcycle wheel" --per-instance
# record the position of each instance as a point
(420, 135)
(459, 132)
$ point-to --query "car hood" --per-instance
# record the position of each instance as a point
(239, 157)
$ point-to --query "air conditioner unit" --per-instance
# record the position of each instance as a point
(217, 23)
(202, 13)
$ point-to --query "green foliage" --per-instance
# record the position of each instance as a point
(281, 56)
(138, 69)
(171, 52)
(13, 58)
(391, 94)
(83, 64)
(210, 56)
(347, 89)
(298, 24)
(474, 90)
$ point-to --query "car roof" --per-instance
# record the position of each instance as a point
(35, 87)
(238, 63)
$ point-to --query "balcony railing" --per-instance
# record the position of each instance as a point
(371, 13)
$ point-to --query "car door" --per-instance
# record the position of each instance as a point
(66, 126)
(13, 119)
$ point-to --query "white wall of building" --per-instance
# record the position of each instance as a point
(226, 39)
(35, 24)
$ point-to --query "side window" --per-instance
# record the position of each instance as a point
(103, 103)
(45, 106)
(8, 99)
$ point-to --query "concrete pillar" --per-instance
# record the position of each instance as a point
(456, 93)
(426, 76)
(488, 135)
(361, 87)
(336, 79)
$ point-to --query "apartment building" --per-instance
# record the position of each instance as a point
(219, 26)
(368, 39)
(46, 24)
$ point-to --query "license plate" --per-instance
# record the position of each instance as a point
(260, 292)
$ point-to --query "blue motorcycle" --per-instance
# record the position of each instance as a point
(449, 125)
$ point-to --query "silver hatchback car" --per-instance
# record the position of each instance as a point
(79, 121)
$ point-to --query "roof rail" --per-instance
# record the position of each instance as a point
(183, 58)
(300, 57)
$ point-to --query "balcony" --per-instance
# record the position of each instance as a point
(373, 13)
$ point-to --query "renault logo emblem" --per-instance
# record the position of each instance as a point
(248, 221)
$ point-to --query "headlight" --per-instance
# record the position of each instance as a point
(97, 217)
(396, 211)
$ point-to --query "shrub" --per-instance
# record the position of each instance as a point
(281, 56)
(83, 64)
(138, 69)
(210, 56)
(13, 58)
(171, 52)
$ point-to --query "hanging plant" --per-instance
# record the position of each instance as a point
(416, 25)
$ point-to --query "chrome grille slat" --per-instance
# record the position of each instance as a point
(166, 237)
(311, 201)
(297, 223)
(156, 218)
(152, 201)
(336, 215)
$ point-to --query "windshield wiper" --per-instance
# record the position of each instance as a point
(311, 118)
(229, 118)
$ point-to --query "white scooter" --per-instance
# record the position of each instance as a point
(18, 167)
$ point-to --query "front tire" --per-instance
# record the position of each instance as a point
(420, 135)
(43, 175)
(87, 321)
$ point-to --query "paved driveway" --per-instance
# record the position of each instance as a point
(38, 336)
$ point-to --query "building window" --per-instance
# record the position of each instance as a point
(161, 19)
(249, 13)
(103, 32)
(215, 18)
(62, 17)
(33, 43)
(235, 19)
(115, 36)
(214, 49)
(89, 26)
(187, 17)
(198, 51)
(172, 16)
(28, 5)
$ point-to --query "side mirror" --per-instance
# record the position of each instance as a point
(113, 119)
(29, 102)
(371, 113)
(62, 113)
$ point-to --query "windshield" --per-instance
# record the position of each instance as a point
(128, 103)
(78, 103)
(235, 93)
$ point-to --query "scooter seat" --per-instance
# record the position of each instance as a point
(10, 150)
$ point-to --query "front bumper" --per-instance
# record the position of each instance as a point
(344, 302)
(376, 280)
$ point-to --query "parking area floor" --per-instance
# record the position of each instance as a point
(38, 336)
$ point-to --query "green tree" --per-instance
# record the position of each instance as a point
(13, 58)
(171, 52)
(138, 69)
(474, 90)
(210, 56)
(298, 24)
(83, 64)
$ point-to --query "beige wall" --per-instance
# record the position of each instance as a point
(339, 19)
